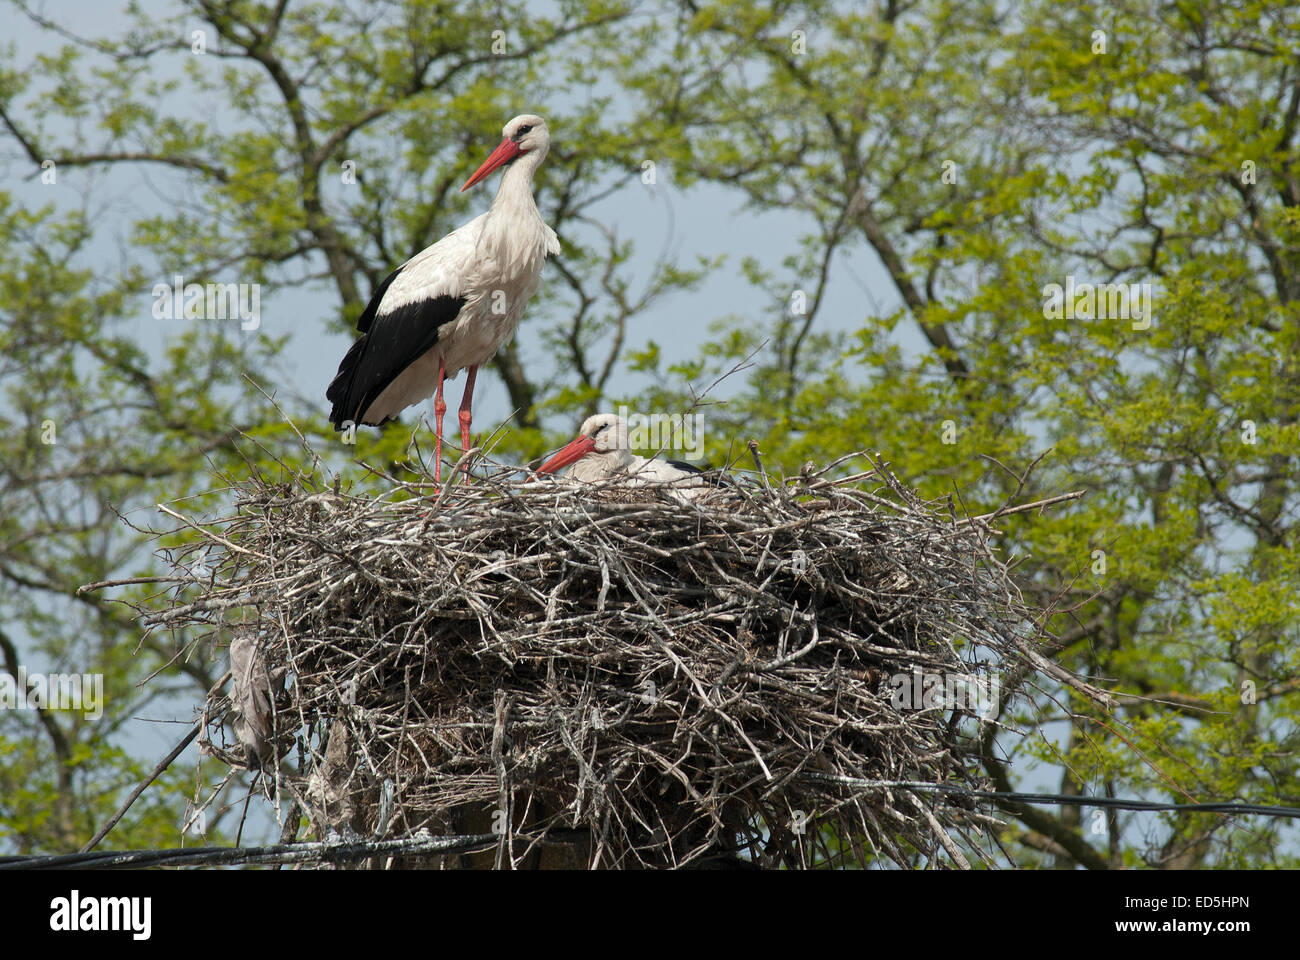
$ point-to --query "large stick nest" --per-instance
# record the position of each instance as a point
(643, 681)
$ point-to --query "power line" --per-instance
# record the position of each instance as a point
(334, 850)
(343, 850)
(1059, 799)
(340, 850)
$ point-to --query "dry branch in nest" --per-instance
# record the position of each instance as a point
(609, 677)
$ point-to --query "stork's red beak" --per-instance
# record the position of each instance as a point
(572, 452)
(502, 155)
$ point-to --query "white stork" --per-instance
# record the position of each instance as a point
(602, 451)
(454, 304)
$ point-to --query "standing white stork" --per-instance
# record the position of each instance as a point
(602, 450)
(454, 304)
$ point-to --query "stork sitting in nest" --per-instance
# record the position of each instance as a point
(601, 451)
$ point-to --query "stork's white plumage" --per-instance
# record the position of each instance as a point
(602, 451)
(451, 306)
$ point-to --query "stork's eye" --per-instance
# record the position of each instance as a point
(599, 430)
(524, 129)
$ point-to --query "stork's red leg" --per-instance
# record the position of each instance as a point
(439, 409)
(466, 413)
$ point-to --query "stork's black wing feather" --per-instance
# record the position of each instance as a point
(391, 342)
(717, 479)
(688, 467)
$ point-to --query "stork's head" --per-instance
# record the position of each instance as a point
(603, 436)
(530, 132)
(525, 135)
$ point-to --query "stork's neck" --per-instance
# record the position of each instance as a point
(516, 190)
(600, 466)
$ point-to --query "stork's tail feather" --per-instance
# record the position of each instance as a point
(706, 473)
(339, 392)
